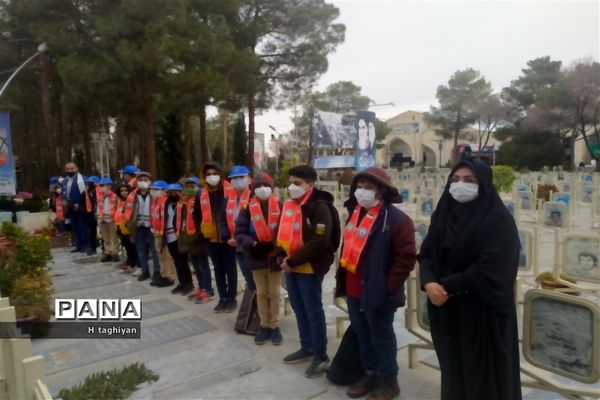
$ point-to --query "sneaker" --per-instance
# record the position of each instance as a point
(316, 368)
(221, 306)
(187, 289)
(136, 271)
(386, 390)
(205, 297)
(362, 387)
(194, 295)
(143, 276)
(75, 251)
(298, 356)
(177, 289)
(106, 258)
(262, 335)
(276, 337)
(231, 306)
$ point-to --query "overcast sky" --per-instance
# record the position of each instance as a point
(400, 51)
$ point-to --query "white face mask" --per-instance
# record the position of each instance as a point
(155, 192)
(213, 180)
(143, 184)
(106, 190)
(296, 191)
(464, 192)
(61, 179)
(263, 192)
(366, 198)
(239, 183)
(58, 190)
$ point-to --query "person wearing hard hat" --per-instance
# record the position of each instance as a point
(239, 177)
(129, 174)
(132, 260)
(106, 219)
(159, 199)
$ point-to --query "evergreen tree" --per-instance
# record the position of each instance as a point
(240, 141)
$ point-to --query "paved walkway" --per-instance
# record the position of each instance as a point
(196, 352)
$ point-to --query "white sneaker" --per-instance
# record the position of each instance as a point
(137, 272)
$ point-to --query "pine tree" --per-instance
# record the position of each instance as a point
(240, 141)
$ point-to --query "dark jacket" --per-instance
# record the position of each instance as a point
(75, 196)
(318, 248)
(386, 261)
(257, 257)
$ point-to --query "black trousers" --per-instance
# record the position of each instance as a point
(130, 249)
(184, 275)
(92, 225)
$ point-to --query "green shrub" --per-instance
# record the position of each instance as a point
(503, 178)
(110, 384)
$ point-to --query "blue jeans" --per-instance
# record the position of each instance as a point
(223, 259)
(144, 241)
(304, 291)
(246, 271)
(376, 338)
(80, 230)
(202, 272)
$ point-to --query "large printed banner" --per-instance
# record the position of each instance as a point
(8, 182)
(351, 131)
(365, 148)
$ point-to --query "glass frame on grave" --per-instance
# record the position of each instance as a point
(587, 194)
(551, 207)
(526, 252)
(421, 230)
(423, 200)
(528, 195)
(557, 329)
(576, 246)
(562, 197)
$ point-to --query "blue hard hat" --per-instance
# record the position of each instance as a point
(130, 169)
(105, 181)
(53, 179)
(239, 170)
(174, 186)
(160, 185)
(92, 179)
(192, 179)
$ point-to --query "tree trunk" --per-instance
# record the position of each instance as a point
(187, 145)
(203, 141)
(310, 143)
(455, 156)
(90, 164)
(47, 110)
(225, 138)
(120, 142)
(149, 144)
(251, 131)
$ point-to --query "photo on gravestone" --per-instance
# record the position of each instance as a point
(421, 228)
(525, 255)
(561, 334)
(587, 194)
(580, 258)
(526, 200)
(555, 214)
(426, 206)
(561, 198)
(566, 187)
(510, 206)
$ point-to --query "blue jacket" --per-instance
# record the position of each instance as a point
(386, 261)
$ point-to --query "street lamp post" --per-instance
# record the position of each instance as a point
(41, 49)
(276, 140)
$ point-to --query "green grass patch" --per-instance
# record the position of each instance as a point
(110, 384)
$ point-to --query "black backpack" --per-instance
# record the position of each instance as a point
(345, 368)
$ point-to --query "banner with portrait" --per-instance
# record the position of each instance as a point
(365, 146)
(8, 181)
(335, 131)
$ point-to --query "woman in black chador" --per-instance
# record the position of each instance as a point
(468, 266)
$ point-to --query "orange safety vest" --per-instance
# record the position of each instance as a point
(190, 225)
(355, 237)
(119, 213)
(265, 232)
(228, 189)
(88, 202)
(157, 220)
(111, 205)
(290, 227)
(60, 213)
(230, 210)
(129, 203)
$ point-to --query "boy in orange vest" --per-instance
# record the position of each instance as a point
(106, 219)
(132, 262)
(213, 200)
(159, 199)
